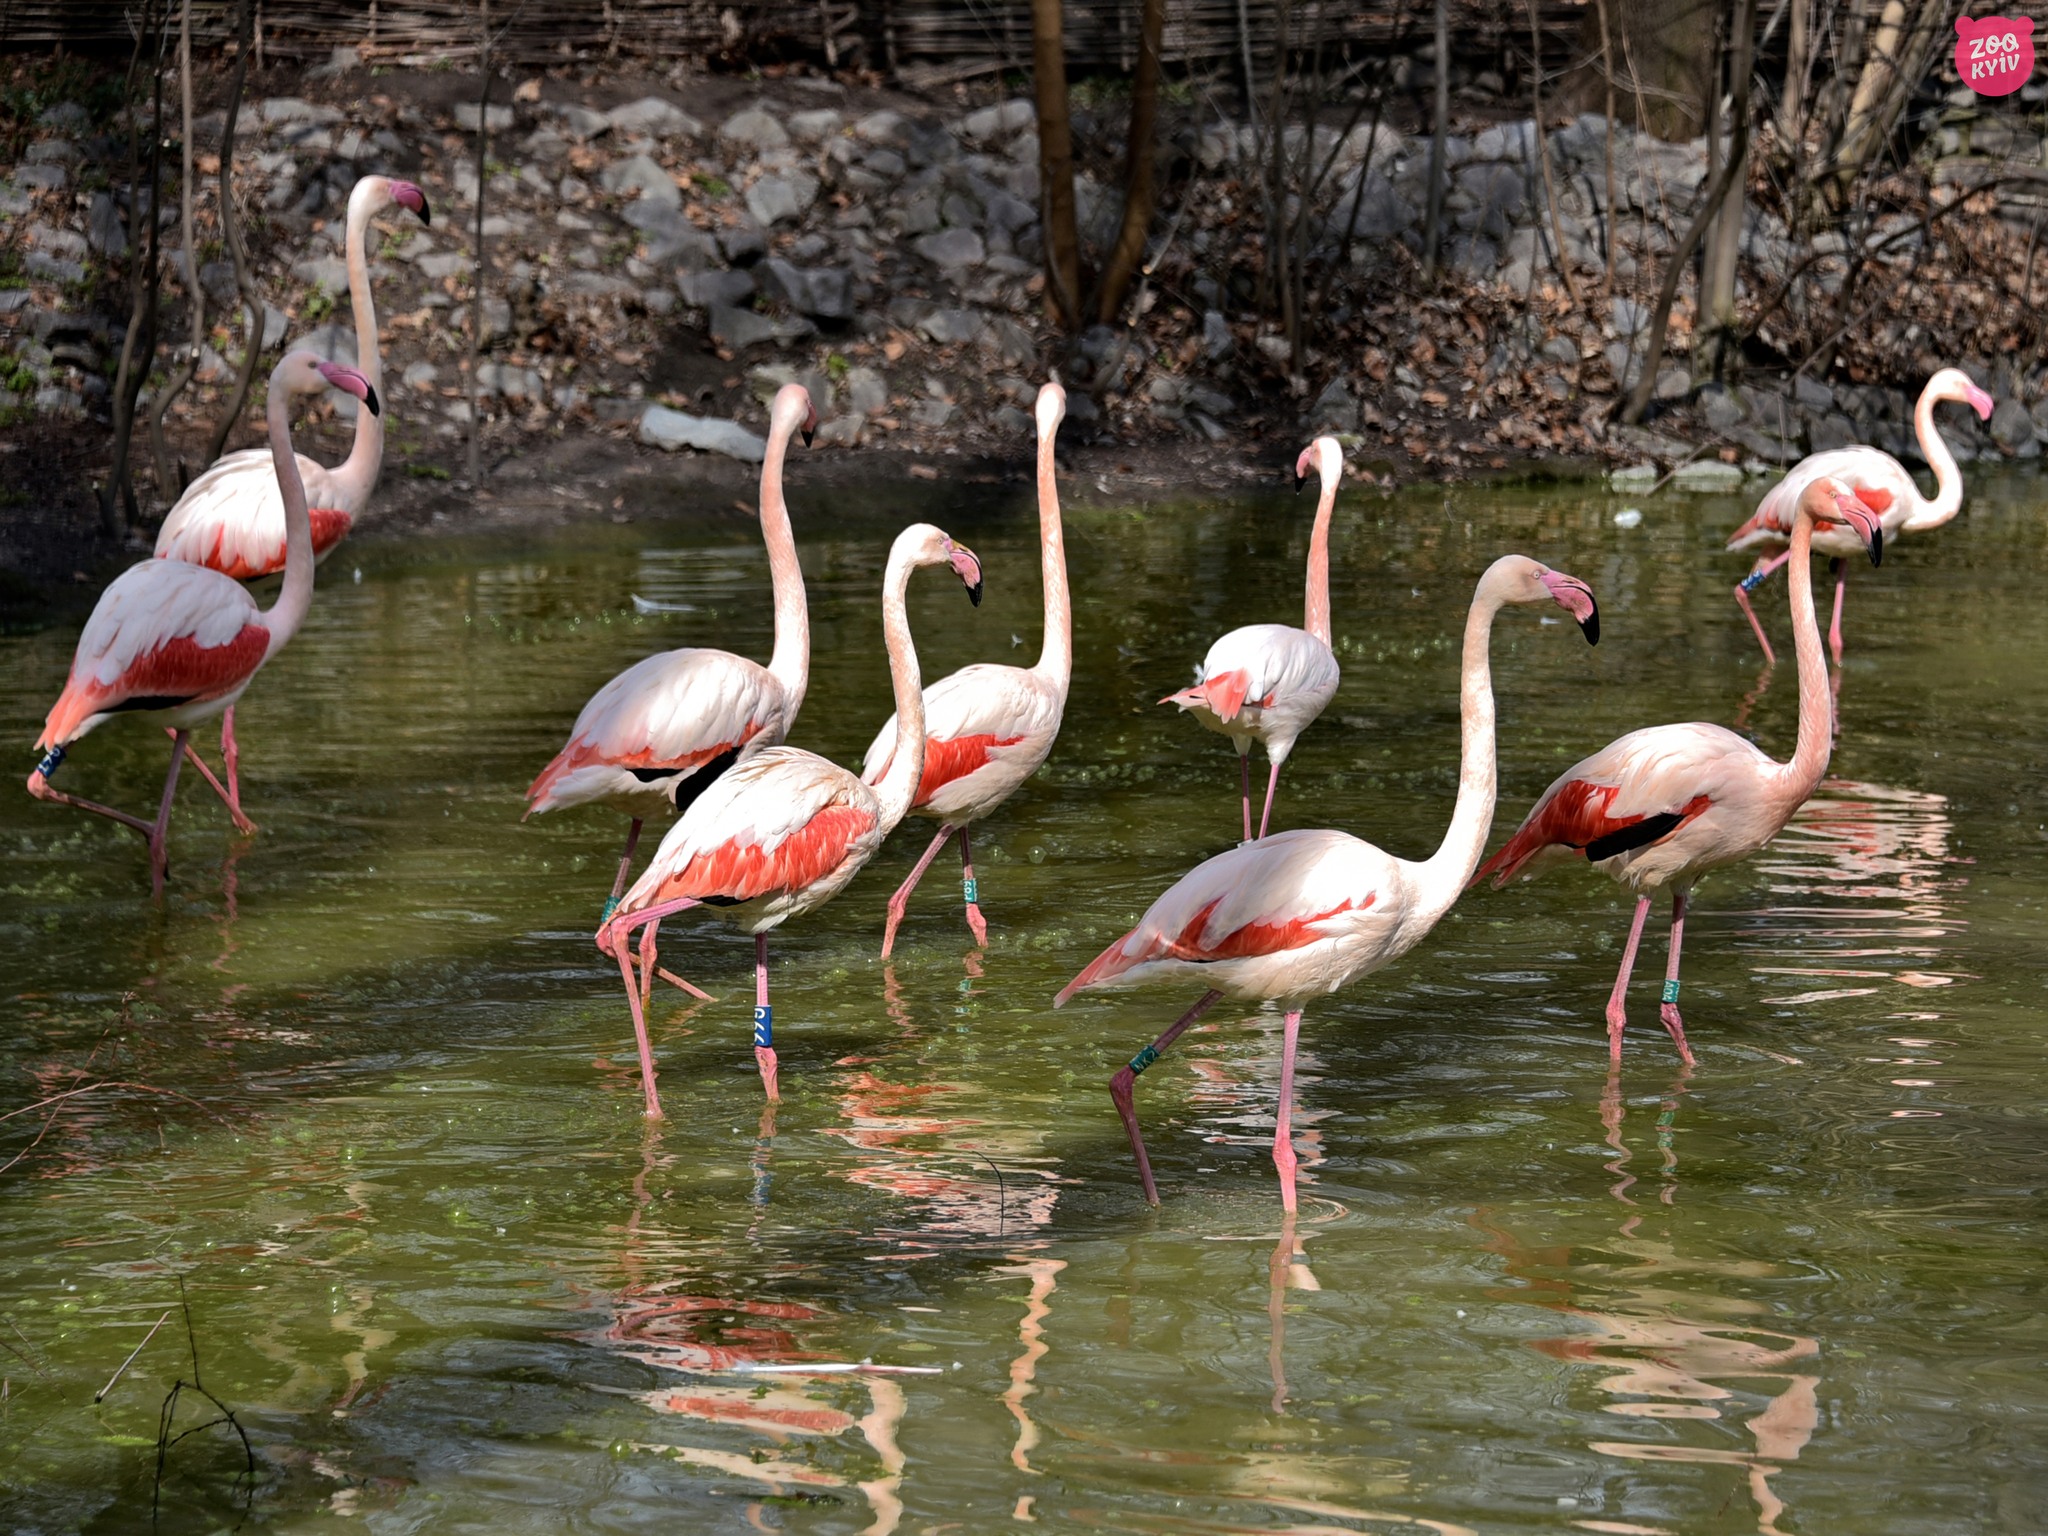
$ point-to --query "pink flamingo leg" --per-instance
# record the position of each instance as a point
(900, 902)
(764, 1020)
(1283, 1138)
(1669, 1011)
(1841, 592)
(971, 890)
(1617, 1000)
(227, 796)
(159, 835)
(647, 960)
(39, 785)
(1272, 788)
(1764, 566)
(231, 758)
(625, 868)
(1121, 1088)
(639, 1031)
(1244, 773)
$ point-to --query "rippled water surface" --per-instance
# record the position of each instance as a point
(364, 1086)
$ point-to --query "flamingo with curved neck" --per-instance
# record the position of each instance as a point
(1879, 481)
(1659, 808)
(180, 643)
(657, 735)
(1299, 914)
(782, 833)
(1269, 682)
(991, 727)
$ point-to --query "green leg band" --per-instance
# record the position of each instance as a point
(1143, 1059)
(1671, 990)
(611, 905)
(971, 889)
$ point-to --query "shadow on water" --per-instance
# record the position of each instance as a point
(381, 1112)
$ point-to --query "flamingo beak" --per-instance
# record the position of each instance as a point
(1576, 599)
(349, 382)
(1980, 402)
(407, 195)
(1302, 466)
(810, 426)
(1868, 525)
(967, 566)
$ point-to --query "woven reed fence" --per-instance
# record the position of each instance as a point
(924, 41)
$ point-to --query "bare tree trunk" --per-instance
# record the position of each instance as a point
(195, 295)
(1718, 320)
(1674, 268)
(1670, 52)
(1055, 162)
(1613, 214)
(1138, 169)
(481, 268)
(1900, 55)
(138, 347)
(1560, 250)
(1432, 228)
(1792, 106)
(231, 237)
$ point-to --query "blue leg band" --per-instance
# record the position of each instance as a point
(764, 1026)
(52, 760)
(1754, 580)
(1671, 990)
(611, 905)
(1143, 1059)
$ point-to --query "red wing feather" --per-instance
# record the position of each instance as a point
(1575, 817)
(177, 670)
(1239, 944)
(583, 754)
(1225, 692)
(945, 761)
(741, 871)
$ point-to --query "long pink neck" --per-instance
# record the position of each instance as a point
(1316, 614)
(1948, 480)
(791, 663)
(898, 788)
(1444, 876)
(1056, 654)
(356, 477)
(295, 597)
(1798, 778)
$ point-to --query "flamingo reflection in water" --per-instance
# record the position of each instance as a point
(1669, 1349)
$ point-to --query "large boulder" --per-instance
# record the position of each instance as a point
(661, 427)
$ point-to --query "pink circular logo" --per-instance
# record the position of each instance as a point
(1995, 55)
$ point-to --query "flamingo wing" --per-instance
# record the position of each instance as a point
(672, 713)
(778, 822)
(163, 633)
(231, 519)
(1283, 893)
(975, 717)
(1266, 665)
(1637, 791)
(1879, 480)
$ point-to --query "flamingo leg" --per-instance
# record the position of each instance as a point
(971, 891)
(227, 795)
(900, 902)
(1244, 774)
(231, 758)
(1764, 566)
(1121, 1088)
(647, 960)
(1283, 1136)
(39, 785)
(764, 1020)
(1669, 1012)
(1272, 788)
(625, 960)
(1617, 1000)
(159, 835)
(625, 868)
(1841, 592)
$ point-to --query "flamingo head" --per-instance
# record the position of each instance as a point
(307, 373)
(408, 196)
(1828, 502)
(922, 544)
(349, 382)
(1575, 598)
(967, 566)
(793, 412)
(1052, 409)
(1954, 384)
(1324, 457)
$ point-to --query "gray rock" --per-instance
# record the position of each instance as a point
(1630, 316)
(1812, 394)
(55, 400)
(777, 199)
(52, 152)
(866, 391)
(275, 323)
(999, 122)
(1474, 255)
(743, 241)
(756, 128)
(14, 200)
(601, 285)
(661, 427)
(815, 126)
(1561, 350)
(2011, 427)
(1006, 213)
(509, 381)
(1381, 212)
(1720, 410)
(742, 328)
(329, 272)
(53, 269)
(884, 162)
(655, 117)
(419, 377)
(826, 292)
(882, 128)
(1010, 342)
(468, 114)
(1217, 340)
(1831, 431)
(952, 248)
(572, 189)
(41, 178)
(440, 264)
(932, 414)
(642, 175)
(1708, 475)
(703, 290)
(13, 300)
(960, 210)
(58, 242)
(842, 431)
(296, 109)
(918, 213)
(1208, 400)
(952, 327)
(1012, 422)
(1673, 384)
(1336, 407)
(66, 117)
(581, 123)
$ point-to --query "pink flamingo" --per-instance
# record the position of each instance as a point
(659, 733)
(1269, 682)
(783, 831)
(181, 642)
(988, 727)
(1878, 480)
(1301, 913)
(231, 518)
(1663, 806)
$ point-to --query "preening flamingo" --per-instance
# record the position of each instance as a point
(1299, 914)
(1663, 806)
(180, 642)
(231, 518)
(1269, 682)
(661, 731)
(1879, 481)
(988, 727)
(783, 831)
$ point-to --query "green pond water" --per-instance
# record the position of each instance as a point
(381, 1113)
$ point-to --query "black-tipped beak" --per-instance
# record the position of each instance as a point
(370, 399)
(974, 594)
(426, 214)
(1877, 545)
(808, 435)
(1299, 482)
(1590, 624)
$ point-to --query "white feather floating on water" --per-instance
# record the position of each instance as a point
(649, 605)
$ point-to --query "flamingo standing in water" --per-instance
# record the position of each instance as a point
(1879, 481)
(1663, 806)
(1298, 914)
(783, 832)
(988, 727)
(660, 732)
(1269, 682)
(181, 642)
(231, 519)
